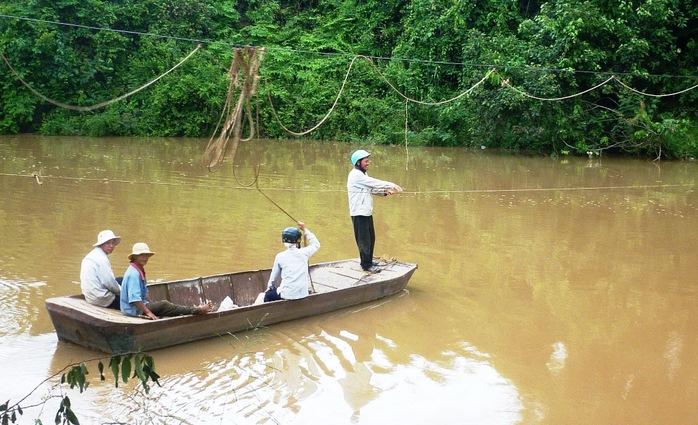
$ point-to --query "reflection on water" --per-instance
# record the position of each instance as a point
(557, 358)
(312, 372)
(549, 291)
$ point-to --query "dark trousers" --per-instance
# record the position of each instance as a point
(116, 304)
(165, 308)
(272, 295)
(365, 236)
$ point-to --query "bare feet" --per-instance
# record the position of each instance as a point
(204, 308)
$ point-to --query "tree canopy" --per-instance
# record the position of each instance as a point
(572, 76)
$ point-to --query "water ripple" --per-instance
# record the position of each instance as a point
(322, 378)
(17, 305)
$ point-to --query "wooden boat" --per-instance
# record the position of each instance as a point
(335, 285)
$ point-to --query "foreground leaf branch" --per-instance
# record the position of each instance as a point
(75, 376)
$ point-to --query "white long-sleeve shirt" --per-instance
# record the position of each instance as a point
(291, 267)
(360, 187)
(97, 279)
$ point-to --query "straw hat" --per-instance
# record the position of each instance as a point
(140, 248)
(106, 236)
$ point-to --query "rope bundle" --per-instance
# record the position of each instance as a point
(244, 71)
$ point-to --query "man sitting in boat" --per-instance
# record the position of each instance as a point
(134, 292)
(97, 281)
(290, 268)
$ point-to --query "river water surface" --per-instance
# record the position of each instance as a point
(549, 290)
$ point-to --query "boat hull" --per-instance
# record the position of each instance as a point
(339, 285)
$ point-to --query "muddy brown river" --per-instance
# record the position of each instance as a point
(549, 290)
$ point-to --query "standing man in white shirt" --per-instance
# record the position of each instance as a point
(99, 286)
(361, 188)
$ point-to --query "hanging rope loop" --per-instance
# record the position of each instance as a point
(102, 104)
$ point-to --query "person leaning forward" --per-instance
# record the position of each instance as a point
(97, 281)
(361, 188)
(134, 292)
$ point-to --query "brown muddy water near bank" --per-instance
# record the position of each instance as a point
(549, 290)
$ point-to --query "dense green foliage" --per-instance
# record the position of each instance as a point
(430, 50)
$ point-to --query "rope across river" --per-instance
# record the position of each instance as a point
(40, 179)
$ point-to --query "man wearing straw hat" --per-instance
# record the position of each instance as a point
(134, 292)
(97, 281)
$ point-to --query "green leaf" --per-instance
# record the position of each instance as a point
(100, 368)
(149, 361)
(138, 370)
(126, 368)
(70, 378)
(70, 415)
(114, 366)
(79, 378)
(154, 377)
